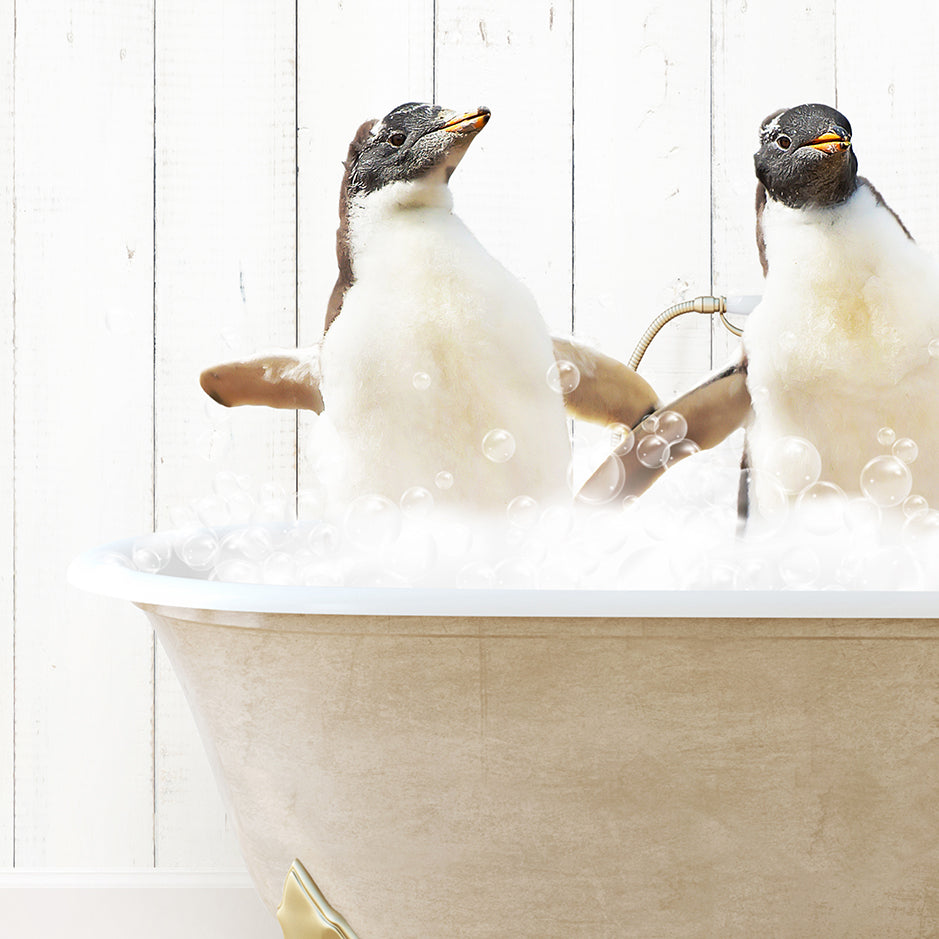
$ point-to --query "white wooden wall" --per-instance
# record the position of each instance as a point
(169, 174)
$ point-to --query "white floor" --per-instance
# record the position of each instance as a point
(145, 905)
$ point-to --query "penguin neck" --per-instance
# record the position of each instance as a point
(398, 204)
(820, 240)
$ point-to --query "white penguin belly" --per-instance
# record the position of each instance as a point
(839, 347)
(437, 365)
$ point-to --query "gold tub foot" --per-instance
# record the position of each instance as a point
(304, 913)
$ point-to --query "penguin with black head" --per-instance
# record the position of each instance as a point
(435, 356)
(434, 362)
(838, 349)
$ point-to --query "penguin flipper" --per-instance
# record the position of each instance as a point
(713, 410)
(281, 379)
(608, 392)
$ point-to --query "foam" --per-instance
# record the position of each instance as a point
(681, 535)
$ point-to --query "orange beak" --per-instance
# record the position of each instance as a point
(472, 120)
(830, 143)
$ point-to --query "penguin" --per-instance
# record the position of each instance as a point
(838, 348)
(434, 360)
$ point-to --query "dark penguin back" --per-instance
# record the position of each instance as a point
(343, 254)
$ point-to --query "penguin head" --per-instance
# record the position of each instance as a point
(806, 158)
(413, 142)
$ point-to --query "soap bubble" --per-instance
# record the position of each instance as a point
(651, 424)
(906, 450)
(499, 446)
(523, 512)
(921, 532)
(311, 503)
(663, 522)
(417, 502)
(272, 505)
(227, 484)
(891, 567)
(862, 517)
(476, 576)
(821, 507)
(421, 381)
(454, 539)
(372, 522)
(184, 516)
(254, 542)
(279, 568)
(117, 559)
(886, 481)
(557, 522)
(236, 571)
(324, 539)
(241, 507)
(886, 436)
(622, 439)
(605, 484)
(413, 555)
(794, 463)
(444, 480)
(755, 573)
(799, 566)
(151, 553)
(198, 548)
(515, 574)
(213, 511)
(915, 505)
(672, 426)
(681, 449)
(769, 503)
(321, 575)
(563, 377)
(215, 444)
(652, 451)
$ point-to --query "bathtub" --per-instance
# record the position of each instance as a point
(460, 764)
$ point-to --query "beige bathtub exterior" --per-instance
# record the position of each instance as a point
(460, 778)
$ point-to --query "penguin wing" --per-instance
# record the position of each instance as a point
(863, 181)
(760, 238)
(287, 378)
(713, 410)
(608, 392)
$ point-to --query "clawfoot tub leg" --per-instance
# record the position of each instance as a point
(304, 912)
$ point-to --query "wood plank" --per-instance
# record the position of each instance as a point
(83, 379)
(225, 285)
(765, 56)
(514, 187)
(365, 33)
(642, 189)
(6, 432)
(344, 42)
(889, 97)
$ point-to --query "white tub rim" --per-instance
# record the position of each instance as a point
(96, 572)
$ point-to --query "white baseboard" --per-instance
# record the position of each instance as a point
(142, 904)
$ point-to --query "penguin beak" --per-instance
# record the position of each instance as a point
(831, 142)
(470, 122)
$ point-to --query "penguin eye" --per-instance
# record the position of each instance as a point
(397, 138)
(783, 142)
